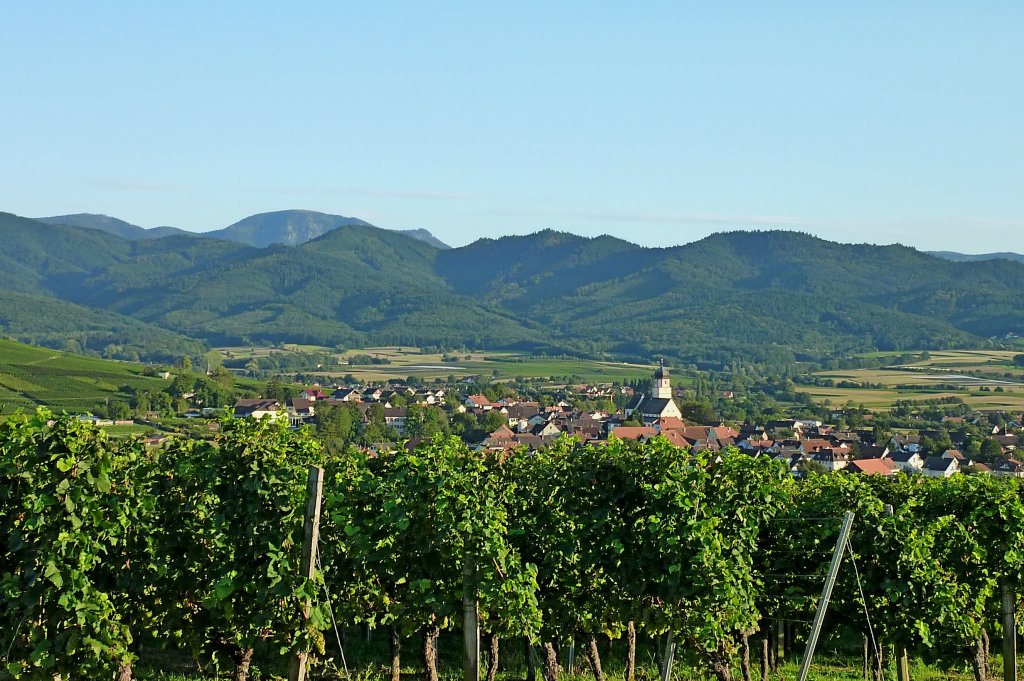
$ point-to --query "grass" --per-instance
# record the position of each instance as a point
(835, 660)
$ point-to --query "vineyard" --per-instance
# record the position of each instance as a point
(714, 559)
(31, 376)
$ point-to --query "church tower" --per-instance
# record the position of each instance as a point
(661, 386)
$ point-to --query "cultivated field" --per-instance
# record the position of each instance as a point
(984, 379)
(408, 361)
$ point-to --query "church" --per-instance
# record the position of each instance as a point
(657, 403)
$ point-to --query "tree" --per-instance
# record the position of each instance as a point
(989, 450)
(337, 425)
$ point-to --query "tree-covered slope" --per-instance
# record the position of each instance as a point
(54, 323)
(753, 294)
(348, 286)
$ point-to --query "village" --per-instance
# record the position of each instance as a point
(804, 445)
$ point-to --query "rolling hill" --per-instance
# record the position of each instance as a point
(761, 296)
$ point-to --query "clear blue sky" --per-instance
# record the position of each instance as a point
(658, 122)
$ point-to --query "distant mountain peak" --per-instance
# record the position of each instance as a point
(425, 236)
(288, 227)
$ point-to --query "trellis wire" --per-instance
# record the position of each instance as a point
(330, 609)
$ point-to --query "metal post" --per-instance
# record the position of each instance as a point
(470, 619)
(780, 642)
(902, 661)
(1009, 632)
(310, 540)
(826, 593)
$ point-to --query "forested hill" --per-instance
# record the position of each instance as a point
(757, 295)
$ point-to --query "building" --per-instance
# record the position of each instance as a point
(656, 403)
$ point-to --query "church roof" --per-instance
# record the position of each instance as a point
(654, 405)
(661, 371)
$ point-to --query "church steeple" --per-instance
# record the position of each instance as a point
(661, 386)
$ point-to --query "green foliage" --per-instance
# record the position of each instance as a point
(230, 539)
(420, 527)
(74, 566)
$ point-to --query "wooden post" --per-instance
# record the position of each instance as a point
(310, 539)
(670, 653)
(780, 642)
(826, 594)
(902, 665)
(1009, 632)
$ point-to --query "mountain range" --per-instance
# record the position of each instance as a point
(288, 227)
(768, 296)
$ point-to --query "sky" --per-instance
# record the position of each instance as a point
(657, 122)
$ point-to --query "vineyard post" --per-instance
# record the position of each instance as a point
(470, 619)
(310, 538)
(826, 594)
(670, 653)
(780, 641)
(902, 662)
(1009, 632)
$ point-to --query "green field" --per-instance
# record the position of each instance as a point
(31, 376)
(983, 379)
(408, 361)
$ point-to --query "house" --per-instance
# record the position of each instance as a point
(395, 418)
(940, 467)
(874, 466)
(300, 410)
(874, 451)
(346, 395)
(257, 409)
(908, 462)
(833, 459)
(478, 402)
(1011, 468)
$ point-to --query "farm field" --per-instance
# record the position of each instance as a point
(32, 376)
(407, 361)
(983, 379)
